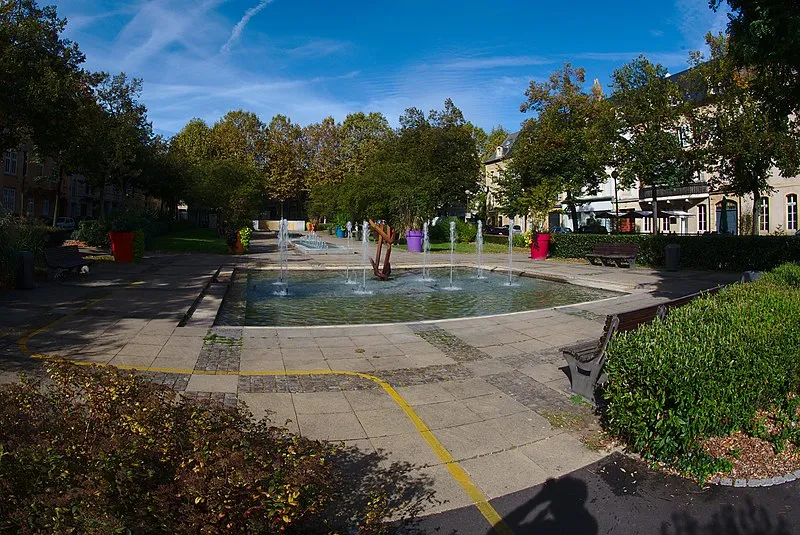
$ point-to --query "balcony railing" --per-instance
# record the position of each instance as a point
(697, 188)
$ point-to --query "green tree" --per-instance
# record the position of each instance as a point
(653, 113)
(361, 136)
(566, 148)
(441, 149)
(239, 136)
(228, 187)
(126, 132)
(765, 40)
(39, 69)
(741, 143)
(324, 153)
(285, 176)
(193, 143)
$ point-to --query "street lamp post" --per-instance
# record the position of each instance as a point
(615, 175)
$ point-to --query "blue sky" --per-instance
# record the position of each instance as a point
(310, 59)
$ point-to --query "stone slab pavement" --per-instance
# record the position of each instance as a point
(484, 397)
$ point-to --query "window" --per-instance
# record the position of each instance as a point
(665, 224)
(46, 207)
(11, 162)
(29, 210)
(791, 212)
(702, 218)
(763, 214)
(648, 224)
(9, 199)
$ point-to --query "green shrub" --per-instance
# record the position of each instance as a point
(440, 232)
(138, 245)
(714, 252)
(244, 236)
(15, 236)
(93, 450)
(706, 371)
(787, 274)
(94, 233)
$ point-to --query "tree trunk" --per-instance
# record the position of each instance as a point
(655, 209)
(573, 212)
(58, 193)
(756, 213)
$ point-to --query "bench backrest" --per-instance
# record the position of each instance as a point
(56, 255)
(615, 249)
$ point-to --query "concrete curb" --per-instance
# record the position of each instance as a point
(768, 482)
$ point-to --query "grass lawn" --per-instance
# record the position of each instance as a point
(468, 248)
(195, 240)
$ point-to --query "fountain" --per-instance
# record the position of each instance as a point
(452, 254)
(349, 227)
(426, 248)
(510, 250)
(364, 258)
(283, 250)
(479, 249)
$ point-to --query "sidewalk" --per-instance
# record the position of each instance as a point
(477, 408)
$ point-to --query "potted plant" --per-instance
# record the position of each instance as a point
(122, 235)
(540, 199)
(340, 222)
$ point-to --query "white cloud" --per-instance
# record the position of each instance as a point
(239, 28)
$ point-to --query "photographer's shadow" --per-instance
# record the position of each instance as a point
(559, 507)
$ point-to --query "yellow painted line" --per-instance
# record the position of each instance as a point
(458, 473)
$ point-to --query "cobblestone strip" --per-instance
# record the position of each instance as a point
(339, 382)
(228, 399)
(452, 346)
(534, 394)
(426, 375)
(176, 381)
(222, 350)
(302, 383)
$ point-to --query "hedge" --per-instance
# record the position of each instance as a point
(706, 371)
(714, 252)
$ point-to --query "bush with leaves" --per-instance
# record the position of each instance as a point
(244, 236)
(17, 235)
(93, 450)
(94, 233)
(673, 383)
(715, 252)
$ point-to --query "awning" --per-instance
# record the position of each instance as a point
(676, 213)
(637, 214)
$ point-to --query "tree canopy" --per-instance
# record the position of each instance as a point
(564, 149)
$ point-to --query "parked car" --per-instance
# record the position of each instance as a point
(560, 230)
(65, 223)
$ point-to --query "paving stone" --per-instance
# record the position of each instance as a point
(450, 345)
(212, 383)
(726, 482)
(228, 399)
(740, 483)
(504, 472)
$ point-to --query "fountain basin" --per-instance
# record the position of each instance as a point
(323, 298)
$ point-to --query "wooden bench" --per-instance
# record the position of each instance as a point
(586, 360)
(614, 252)
(64, 259)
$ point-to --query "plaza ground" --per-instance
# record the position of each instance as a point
(478, 410)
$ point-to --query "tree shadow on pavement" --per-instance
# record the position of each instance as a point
(744, 519)
(369, 488)
(559, 507)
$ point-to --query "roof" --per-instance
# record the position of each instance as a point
(508, 147)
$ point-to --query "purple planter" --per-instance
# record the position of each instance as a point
(414, 239)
